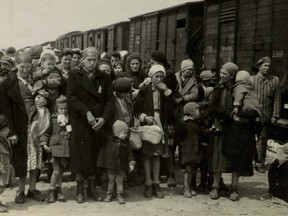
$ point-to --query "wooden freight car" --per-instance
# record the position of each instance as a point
(75, 39)
(242, 31)
(110, 38)
(177, 31)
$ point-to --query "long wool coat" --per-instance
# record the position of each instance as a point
(14, 109)
(94, 95)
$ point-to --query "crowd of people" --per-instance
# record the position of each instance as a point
(86, 112)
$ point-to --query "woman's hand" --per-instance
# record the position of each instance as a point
(99, 124)
(90, 118)
(162, 86)
(149, 120)
(13, 139)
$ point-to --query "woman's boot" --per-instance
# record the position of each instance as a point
(80, 192)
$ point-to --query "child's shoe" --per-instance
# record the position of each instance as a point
(20, 197)
(51, 196)
(148, 191)
(157, 192)
(193, 192)
(120, 198)
(214, 194)
(36, 195)
(234, 194)
(108, 197)
(59, 195)
(187, 192)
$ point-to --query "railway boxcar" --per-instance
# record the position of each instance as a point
(118, 37)
(75, 39)
(243, 31)
(177, 31)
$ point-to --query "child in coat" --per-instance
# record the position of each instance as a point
(245, 102)
(57, 143)
(188, 130)
(48, 77)
(116, 157)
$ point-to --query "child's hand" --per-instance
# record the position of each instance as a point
(47, 149)
(235, 110)
(236, 118)
(131, 168)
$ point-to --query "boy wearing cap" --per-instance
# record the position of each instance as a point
(267, 89)
(123, 103)
(7, 62)
(116, 157)
(187, 131)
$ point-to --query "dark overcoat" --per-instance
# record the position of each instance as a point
(94, 95)
(14, 109)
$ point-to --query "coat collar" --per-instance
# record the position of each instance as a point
(13, 92)
(90, 84)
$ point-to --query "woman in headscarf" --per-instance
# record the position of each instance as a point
(153, 106)
(135, 72)
(91, 108)
(234, 144)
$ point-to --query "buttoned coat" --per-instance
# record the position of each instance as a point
(94, 95)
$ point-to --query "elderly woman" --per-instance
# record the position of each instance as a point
(153, 106)
(18, 106)
(187, 90)
(234, 146)
(91, 107)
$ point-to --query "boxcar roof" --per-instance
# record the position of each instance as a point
(167, 9)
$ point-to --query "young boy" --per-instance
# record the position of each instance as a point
(48, 77)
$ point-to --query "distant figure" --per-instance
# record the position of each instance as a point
(267, 89)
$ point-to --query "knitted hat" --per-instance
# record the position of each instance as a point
(156, 68)
(122, 85)
(90, 51)
(242, 76)
(190, 108)
(263, 60)
(7, 59)
(187, 64)
(231, 68)
(159, 57)
(206, 75)
(118, 127)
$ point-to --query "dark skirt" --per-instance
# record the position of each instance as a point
(218, 162)
(149, 149)
(240, 147)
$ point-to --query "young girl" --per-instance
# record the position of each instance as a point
(118, 69)
(116, 157)
(189, 146)
(153, 106)
(58, 136)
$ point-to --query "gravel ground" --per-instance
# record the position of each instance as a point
(250, 190)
